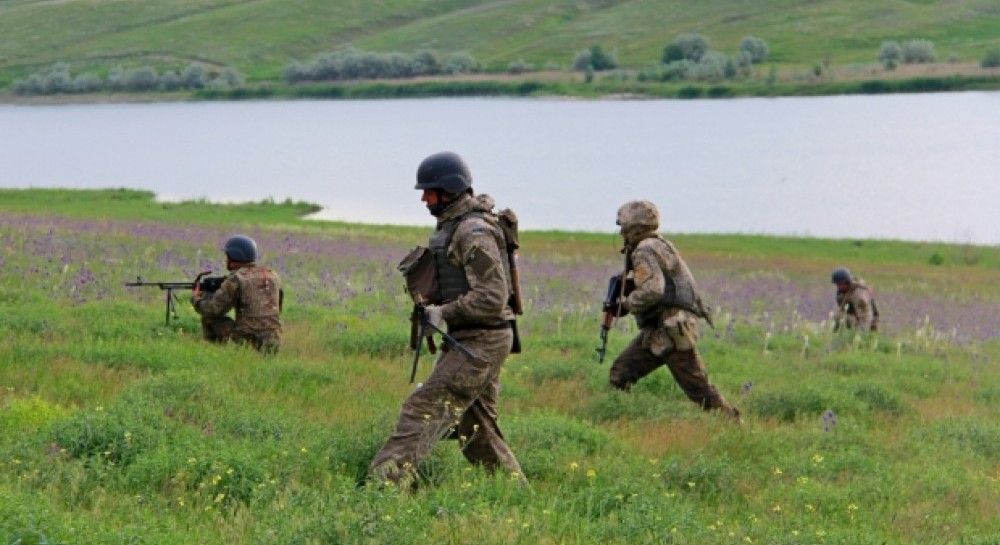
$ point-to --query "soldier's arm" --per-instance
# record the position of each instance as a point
(649, 280)
(475, 248)
(214, 305)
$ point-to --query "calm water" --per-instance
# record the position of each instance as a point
(922, 167)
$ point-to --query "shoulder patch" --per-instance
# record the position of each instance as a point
(642, 273)
(480, 262)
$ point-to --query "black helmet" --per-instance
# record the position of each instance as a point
(241, 248)
(841, 275)
(446, 171)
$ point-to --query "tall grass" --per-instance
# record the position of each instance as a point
(119, 429)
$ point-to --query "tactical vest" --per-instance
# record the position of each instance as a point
(259, 293)
(452, 282)
(451, 279)
(680, 291)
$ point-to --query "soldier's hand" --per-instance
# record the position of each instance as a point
(432, 313)
(622, 307)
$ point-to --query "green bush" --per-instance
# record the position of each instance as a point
(991, 59)
(686, 46)
(755, 48)
(878, 398)
(193, 76)
(519, 67)
(88, 83)
(787, 406)
(594, 58)
(890, 54)
(918, 51)
(352, 64)
(460, 63)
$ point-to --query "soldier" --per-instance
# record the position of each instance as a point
(459, 399)
(856, 308)
(666, 306)
(253, 290)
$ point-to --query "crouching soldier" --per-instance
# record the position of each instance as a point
(255, 293)
(472, 276)
(666, 306)
(856, 308)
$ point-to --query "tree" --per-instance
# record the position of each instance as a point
(686, 46)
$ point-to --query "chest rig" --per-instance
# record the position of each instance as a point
(679, 290)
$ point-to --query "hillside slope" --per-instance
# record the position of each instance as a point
(261, 36)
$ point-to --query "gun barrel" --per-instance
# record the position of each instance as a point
(162, 285)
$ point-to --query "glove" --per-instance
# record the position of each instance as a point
(433, 315)
(618, 309)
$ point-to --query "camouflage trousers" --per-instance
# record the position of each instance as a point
(222, 330)
(637, 361)
(458, 401)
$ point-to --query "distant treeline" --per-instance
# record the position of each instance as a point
(354, 64)
(58, 79)
(690, 57)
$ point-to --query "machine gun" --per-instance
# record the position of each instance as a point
(205, 283)
(613, 308)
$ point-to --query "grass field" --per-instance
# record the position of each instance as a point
(260, 38)
(117, 429)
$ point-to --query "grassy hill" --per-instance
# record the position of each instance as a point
(260, 37)
(117, 429)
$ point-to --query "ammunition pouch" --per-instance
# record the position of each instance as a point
(420, 274)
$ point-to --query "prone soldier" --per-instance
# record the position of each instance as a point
(473, 282)
(254, 291)
(666, 306)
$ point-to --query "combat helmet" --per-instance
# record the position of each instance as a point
(445, 171)
(241, 248)
(637, 218)
(841, 275)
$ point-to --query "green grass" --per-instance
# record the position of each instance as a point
(120, 430)
(610, 87)
(262, 37)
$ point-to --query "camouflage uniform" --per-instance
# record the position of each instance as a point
(459, 399)
(668, 333)
(255, 292)
(856, 308)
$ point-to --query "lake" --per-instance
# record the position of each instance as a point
(916, 167)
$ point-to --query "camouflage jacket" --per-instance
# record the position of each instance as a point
(255, 293)
(652, 261)
(856, 308)
(475, 247)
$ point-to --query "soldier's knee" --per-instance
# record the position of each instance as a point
(621, 383)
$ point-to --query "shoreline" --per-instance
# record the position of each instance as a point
(540, 87)
(306, 214)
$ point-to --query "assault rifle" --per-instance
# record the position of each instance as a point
(612, 308)
(419, 324)
(205, 283)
